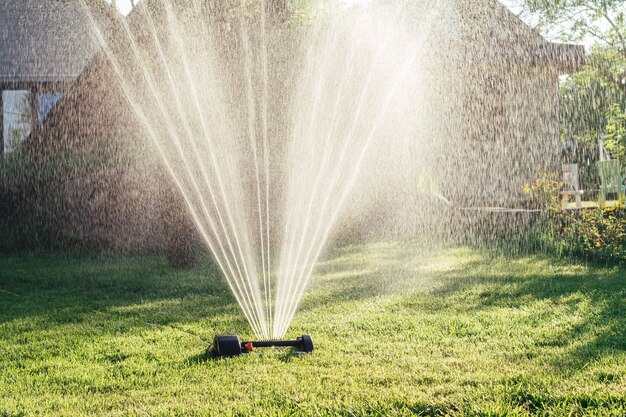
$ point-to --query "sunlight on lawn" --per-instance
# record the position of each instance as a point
(399, 330)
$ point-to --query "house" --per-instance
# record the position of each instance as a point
(500, 94)
(44, 46)
(492, 124)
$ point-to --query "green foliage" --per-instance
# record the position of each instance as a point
(301, 11)
(589, 96)
(592, 99)
(33, 197)
(593, 102)
(545, 190)
(592, 234)
(597, 234)
(26, 167)
(616, 131)
(576, 20)
(399, 331)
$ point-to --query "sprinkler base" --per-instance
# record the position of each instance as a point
(229, 345)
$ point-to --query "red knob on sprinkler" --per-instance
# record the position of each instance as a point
(229, 345)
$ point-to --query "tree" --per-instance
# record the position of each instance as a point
(576, 20)
(593, 99)
(278, 10)
(616, 131)
(588, 95)
(602, 21)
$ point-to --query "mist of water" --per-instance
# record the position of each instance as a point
(264, 130)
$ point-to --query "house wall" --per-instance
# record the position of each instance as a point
(502, 125)
(45, 45)
(111, 196)
(506, 134)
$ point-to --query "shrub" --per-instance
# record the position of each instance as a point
(595, 234)
(545, 191)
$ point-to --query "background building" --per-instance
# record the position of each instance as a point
(44, 46)
(492, 123)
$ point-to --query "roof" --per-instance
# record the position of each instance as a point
(493, 35)
(565, 57)
(45, 40)
(538, 51)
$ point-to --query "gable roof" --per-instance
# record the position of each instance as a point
(45, 40)
(493, 35)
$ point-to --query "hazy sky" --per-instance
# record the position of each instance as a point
(511, 4)
(124, 5)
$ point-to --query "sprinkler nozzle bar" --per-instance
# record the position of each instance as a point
(229, 345)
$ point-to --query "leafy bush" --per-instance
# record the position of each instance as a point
(545, 191)
(38, 204)
(616, 131)
(595, 234)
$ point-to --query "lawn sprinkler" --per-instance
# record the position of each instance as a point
(229, 345)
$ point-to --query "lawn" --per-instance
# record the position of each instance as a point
(398, 331)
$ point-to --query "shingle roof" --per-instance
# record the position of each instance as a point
(44, 40)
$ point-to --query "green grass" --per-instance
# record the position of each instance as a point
(398, 332)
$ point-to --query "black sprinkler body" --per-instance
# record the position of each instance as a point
(229, 345)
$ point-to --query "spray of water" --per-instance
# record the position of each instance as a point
(264, 130)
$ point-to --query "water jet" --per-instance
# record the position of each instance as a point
(265, 178)
(229, 345)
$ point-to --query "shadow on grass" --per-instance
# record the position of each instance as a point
(43, 292)
(601, 332)
(464, 282)
(285, 355)
(205, 356)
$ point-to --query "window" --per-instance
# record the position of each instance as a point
(46, 102)
(16, 117)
